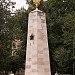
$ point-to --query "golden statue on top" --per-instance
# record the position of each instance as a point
(36, 2)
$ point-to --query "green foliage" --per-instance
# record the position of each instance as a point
(18, 28)
(60, 15)
(5, 39)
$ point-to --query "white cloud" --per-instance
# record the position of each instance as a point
(19, 4)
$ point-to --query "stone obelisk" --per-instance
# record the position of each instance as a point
(37, 53)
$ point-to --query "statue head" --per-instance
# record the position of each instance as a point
(36, 2)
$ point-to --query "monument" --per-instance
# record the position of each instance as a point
(37, 53)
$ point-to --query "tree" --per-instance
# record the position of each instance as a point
(61, 25)
(5, 39)
(61, 30)
(60, 15)
(18, 28)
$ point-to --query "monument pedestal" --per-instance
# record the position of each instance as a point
(37, 53)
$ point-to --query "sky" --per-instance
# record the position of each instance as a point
(19, 4)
